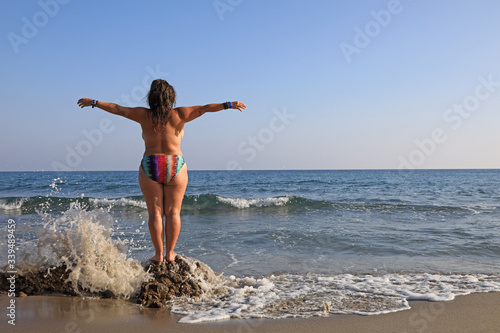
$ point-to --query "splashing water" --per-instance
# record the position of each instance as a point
(81, 240)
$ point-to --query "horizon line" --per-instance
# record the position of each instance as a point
(354, 169)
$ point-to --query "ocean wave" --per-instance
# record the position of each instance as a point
(247, 203)
(123, 202)
(12, 204)
(31, 205)
(213, 203)
(191, 203)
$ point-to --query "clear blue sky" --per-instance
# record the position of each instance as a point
(328, 84)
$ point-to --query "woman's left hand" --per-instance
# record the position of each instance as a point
(83, 102)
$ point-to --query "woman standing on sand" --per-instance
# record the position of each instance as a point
(163, 174)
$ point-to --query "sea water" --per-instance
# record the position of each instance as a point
(288, 243)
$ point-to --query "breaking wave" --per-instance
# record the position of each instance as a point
(210, 203)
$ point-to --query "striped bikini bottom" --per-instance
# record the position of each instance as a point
(162, 168)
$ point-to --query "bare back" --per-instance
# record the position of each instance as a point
(166, 140)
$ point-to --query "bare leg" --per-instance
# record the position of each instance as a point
(173, 196)
(153, 194)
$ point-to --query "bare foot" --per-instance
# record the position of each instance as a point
(156, 258)
(171, 257)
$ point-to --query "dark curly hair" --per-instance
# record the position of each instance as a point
(161, 99)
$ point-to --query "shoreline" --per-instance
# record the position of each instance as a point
(476, 312)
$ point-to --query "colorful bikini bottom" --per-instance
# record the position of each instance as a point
(162, 168)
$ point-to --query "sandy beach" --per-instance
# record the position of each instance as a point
(472, 313)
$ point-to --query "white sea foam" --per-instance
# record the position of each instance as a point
(212, 283)
(246, 203)
(118, 202)
(309, 295)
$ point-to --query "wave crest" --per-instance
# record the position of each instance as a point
(210, 203)
(247, 203)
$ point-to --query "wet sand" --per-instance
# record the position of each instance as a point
(473, 313)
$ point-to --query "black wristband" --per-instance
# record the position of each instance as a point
(226, 105)
(94, 103)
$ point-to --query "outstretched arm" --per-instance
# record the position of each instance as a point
(130, 113)
(188, 113)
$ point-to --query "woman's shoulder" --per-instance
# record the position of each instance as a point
(182, 112)
(177, 113)
(139, 114)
